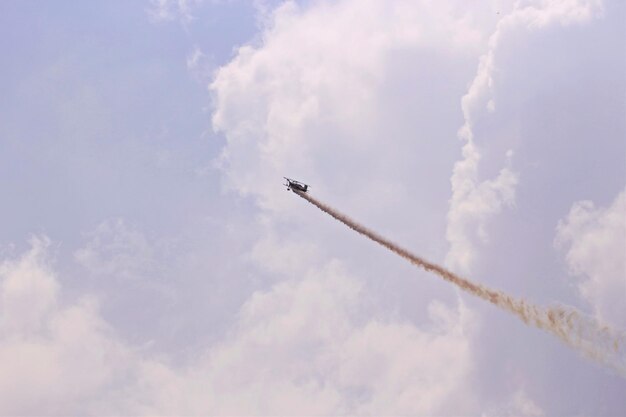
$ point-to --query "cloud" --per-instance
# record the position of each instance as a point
(474, 200)
(307, 98)
(283, 257)
(366, 111)
(54, 356)
(201, 67)
(594, 242)
(303, 345)
(117, 250)
(518, 404)
(332, 107)
(168, 10)
(197, 63)
(28, 293)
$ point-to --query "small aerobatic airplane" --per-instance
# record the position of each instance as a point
(296, 185)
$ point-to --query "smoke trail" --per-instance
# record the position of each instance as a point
(595, 340)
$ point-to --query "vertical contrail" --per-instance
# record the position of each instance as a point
(588, 336)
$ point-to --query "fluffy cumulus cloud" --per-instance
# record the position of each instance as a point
(474, 199)
(55, 356)
(543, 128)
(314, 103)
(594, 241)
(318, 98)
(302, 345)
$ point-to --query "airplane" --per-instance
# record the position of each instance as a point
(295, 185)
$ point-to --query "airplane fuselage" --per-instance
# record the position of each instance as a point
(296, 186)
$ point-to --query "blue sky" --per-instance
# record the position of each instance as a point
(152, 263)
(138, 103)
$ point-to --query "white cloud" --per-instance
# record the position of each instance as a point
(28, 293)
(200, 65)
(475, 200)
(323, 98)
(283, 258)
(167, 10)
(193, 59)
(54, 357)
(594, 241)
(523, 405)
(307, 95)
(117, 250)
(518, 404)
(303, 346)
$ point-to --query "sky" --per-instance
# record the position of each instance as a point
(151, 262)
